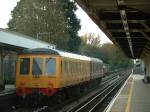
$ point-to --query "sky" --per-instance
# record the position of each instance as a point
(87, 25)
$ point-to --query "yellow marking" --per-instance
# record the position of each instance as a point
(128, 107)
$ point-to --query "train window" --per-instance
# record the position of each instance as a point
(66, 67)
(50, 66)
(138, 65)
(83, 68)
(75, 67)
(93, 66)
(24, 66)
(79, 67)
(71, 67)
(37, 66)
(63, 66)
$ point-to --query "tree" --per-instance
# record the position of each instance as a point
(107, 52)
(114, 56)
(91, 39)
(90, 45)
(69, 8)
(32, 17)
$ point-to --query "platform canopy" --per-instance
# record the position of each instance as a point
(15, 41)
(125, 22)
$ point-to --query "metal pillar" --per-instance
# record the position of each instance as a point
(147, 64)
(146, 59)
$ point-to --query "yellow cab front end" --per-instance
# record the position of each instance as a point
(37, 73)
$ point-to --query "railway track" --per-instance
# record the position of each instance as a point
(77, 103)
(91, 104)
(6, 99)
(82, 97)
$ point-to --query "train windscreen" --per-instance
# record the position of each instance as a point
(50, 66)
(37, 68)
(24, 66)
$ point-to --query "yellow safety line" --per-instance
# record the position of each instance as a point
(129, 97)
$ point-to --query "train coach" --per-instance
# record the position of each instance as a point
(48, 71)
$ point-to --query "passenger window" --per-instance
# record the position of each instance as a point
(24, 66)
(66, 67)
(63, 67)
(50, 66)
(69, 67)
(74, 67)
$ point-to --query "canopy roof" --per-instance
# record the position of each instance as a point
(125, 22)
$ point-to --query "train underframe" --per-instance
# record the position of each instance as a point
(57, 95)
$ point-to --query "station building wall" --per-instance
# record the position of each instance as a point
(7, 66)
(1, 69)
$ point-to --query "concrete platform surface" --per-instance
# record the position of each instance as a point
(9, 89)
(134, 97)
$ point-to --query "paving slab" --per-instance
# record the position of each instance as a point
(134, 97)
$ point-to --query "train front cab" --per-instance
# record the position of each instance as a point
(37, 74)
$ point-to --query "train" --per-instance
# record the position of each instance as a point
(47, 72)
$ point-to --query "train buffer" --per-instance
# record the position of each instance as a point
(132, 97)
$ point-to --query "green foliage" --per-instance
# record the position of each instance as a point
(57, 21)
(108, 52)
(118, 59)
(53, 21)
(31, 17)
(69, 9)
(90, 45)
(91, 39)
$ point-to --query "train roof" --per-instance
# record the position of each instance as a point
(59, 52)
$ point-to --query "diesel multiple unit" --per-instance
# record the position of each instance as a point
(48, 71)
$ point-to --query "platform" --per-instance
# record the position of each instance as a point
(133, 97)
(9, 89)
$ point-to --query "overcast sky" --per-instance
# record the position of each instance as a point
(87, 25)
